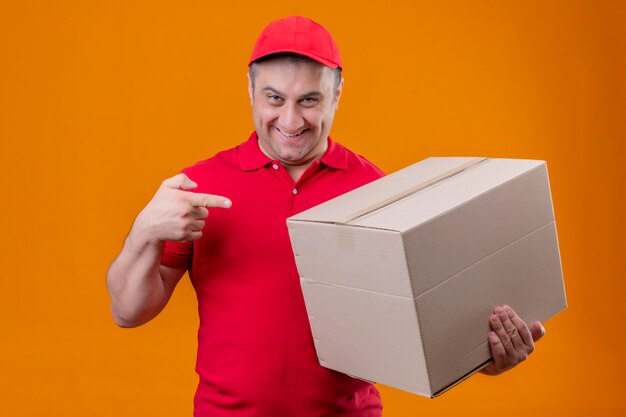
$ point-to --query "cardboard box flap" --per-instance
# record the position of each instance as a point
(446, 194)
(386, 190)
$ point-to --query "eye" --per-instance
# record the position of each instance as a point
(310, 101)
(273, 98)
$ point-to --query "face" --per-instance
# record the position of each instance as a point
(293, 107)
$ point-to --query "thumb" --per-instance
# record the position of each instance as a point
(180, 182)
(537, 331)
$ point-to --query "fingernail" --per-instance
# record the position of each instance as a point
(227, 203)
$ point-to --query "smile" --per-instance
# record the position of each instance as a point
(290, 135)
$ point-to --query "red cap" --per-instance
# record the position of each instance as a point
(301, 36)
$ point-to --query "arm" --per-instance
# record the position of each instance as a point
(138, 285)
(510, 340)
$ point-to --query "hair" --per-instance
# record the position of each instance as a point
(294, 58)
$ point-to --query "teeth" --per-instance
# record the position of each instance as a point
(290, 135)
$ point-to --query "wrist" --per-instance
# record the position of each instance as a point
(142, 234)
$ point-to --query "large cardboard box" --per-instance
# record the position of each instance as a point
(400, 276)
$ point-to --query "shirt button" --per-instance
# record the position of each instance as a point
(275, 166)
(295, 191)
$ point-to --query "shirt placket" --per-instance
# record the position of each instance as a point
(294, 188)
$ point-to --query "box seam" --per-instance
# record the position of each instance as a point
(484, 258)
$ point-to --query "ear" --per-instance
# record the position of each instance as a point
(250, 92)
(338, 93)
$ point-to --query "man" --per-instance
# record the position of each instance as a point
(255, 350)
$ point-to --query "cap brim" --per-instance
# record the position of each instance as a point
(306, 54)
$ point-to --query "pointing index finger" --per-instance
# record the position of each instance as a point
(209, 200)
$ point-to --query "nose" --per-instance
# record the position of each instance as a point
(290, 120)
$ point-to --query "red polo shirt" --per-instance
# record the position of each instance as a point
(255, 350)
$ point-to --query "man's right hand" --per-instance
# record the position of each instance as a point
(176, 214)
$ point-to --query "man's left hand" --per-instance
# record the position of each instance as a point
(511, 341)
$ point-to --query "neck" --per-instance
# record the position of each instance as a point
(296, 171)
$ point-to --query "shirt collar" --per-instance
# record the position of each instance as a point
(335, 156)
(251, 157)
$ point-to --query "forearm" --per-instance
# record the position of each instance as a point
(138, 285)
(136, 288)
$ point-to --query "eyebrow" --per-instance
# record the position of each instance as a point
(279, 93)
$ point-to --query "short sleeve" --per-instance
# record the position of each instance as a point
(177, 254)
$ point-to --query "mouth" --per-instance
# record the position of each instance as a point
(291, 135)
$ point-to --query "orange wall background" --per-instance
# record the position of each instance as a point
(100, 101)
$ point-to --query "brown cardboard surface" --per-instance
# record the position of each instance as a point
(386, 323)
(387, 188)
(461, 303)
(353, 257)
(399, 276)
